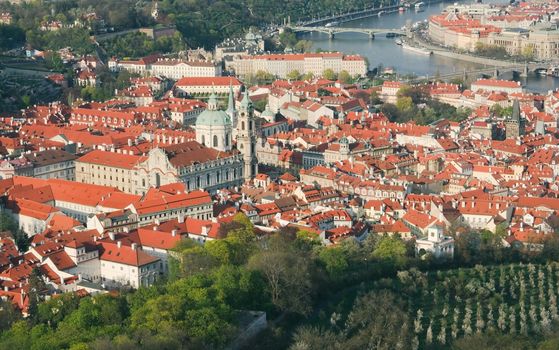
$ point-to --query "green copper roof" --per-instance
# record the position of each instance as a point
(213, 118)
(267, 112)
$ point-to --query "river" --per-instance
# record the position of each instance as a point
(383, 51)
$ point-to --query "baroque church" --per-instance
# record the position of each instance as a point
(217, 129)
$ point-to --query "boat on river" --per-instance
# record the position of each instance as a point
(418, 50)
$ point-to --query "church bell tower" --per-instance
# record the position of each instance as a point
(246, 137)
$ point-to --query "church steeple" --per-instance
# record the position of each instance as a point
(515, 111)
(246, 103)
(246, 137)
(231, 111)
(515, 125)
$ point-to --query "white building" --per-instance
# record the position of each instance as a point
(280, 65)
(435, 243)
(218, 85)
(127, 265)
(170, 68)
(510, 87)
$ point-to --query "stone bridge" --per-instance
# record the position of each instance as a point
(332, 31)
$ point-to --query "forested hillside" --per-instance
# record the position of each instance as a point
(201, 22)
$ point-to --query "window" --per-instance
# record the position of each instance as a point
(215, 141)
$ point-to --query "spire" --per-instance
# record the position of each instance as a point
(515, 110)
(231, 103)
(246, 103)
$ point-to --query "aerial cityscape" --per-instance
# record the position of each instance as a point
(303, 175)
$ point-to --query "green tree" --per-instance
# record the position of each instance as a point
(287, 274)
(10, 36)
(390, 249)
(53, 61)
(196, 260)
(8, 315)
(26, 100)
(294, 75)
(263, 77)
(307, 337)
(418, 94)
(335, 262)
(345, 77)
(306, 241)
(37, 288)
(404, 103)
(308, 76)
(329, 74)
(528, 53)
(288, 38)
(375, 98)
(303, 46)
(378, 320)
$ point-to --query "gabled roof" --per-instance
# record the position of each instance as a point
(109, 251)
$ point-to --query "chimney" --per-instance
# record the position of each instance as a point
(205, 230)
(180, 218)
(155, 228)
(174, 233)
(134, 246)
(6, 288)
(157, 222)
(126, 229)
(119, 244)
(112, 236)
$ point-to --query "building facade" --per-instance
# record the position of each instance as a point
(281, 65)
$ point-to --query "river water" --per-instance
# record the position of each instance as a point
(383, 51)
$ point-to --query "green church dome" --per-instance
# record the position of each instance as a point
(213, 116)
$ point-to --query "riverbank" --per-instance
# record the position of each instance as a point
(384, 53)
(364, 14)
(418, 42)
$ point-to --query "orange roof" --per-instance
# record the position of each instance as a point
(32, 209)
(180, 200)
(124, 254)
(111, 159)
(149, 237)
